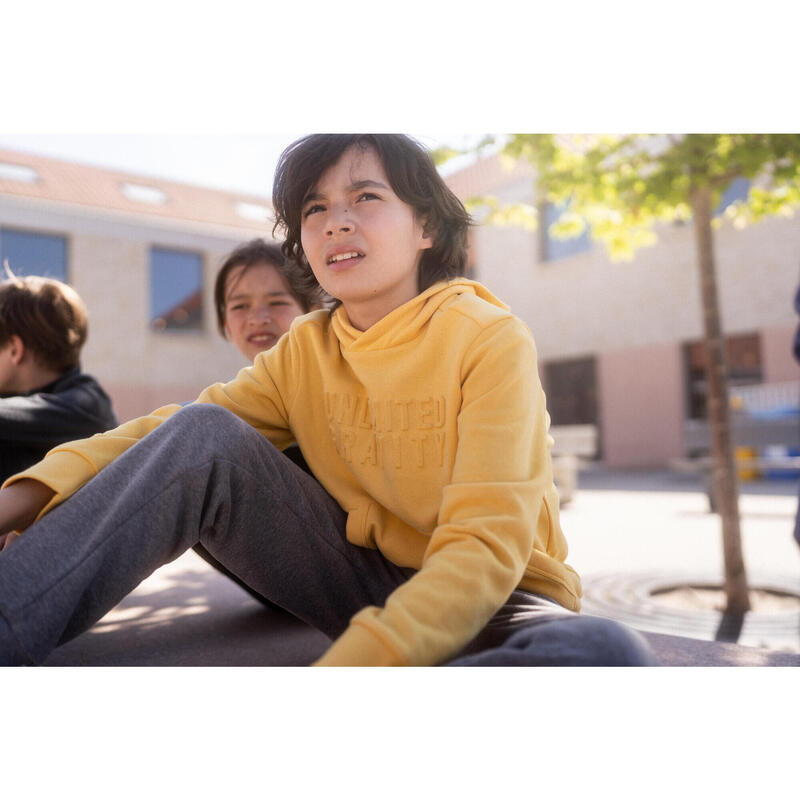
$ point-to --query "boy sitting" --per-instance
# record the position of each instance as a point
(45, 400)
(428, 532)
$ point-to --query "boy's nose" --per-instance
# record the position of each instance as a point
(339, 222)
(259, 315)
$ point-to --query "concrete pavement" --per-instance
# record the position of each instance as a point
(627, 531)
(634, 533)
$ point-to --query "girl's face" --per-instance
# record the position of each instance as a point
(362, 241)
(259, 308)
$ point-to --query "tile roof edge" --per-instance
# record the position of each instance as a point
(144, 218)
(29, 159)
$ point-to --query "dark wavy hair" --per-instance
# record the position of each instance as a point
(413, 177)
(255, 253)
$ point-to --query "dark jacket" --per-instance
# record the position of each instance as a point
(72, 407)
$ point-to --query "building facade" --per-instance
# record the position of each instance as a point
(619, 342)
(143, 254)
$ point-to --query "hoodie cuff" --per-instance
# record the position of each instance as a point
(63, 471)
(358, 646)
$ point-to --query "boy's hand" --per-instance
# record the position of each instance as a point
(20, 503)
(7, 538)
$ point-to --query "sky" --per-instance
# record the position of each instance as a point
(243, 162)
(211, 99)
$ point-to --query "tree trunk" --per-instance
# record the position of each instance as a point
(724, 469)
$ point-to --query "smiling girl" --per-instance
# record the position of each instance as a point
(257, 295)
(431, 534)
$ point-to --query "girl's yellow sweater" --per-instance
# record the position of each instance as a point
(430, 430)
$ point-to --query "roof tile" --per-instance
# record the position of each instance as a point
(84, 185)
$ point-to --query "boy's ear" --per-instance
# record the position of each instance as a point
(427, 235)
(18, 349)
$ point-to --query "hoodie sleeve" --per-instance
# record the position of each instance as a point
(487, 518)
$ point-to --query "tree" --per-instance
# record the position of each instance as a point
(622, 187)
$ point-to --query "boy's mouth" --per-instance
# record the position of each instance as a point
(264, 339)
(344, 259)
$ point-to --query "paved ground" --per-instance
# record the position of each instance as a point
(632, 532)
(627, 532)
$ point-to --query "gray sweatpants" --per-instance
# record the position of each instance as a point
(205, 476)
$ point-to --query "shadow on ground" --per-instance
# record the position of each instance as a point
(191, 617)
(186, 614)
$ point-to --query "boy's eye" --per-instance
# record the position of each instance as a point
(279, 303)
(368, 196)
(238, 307)
(313, 209)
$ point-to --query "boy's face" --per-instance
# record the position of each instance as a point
(362, 241)
(259, 308)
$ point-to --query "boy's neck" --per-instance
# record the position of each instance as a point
(32, 376)
(363, 315)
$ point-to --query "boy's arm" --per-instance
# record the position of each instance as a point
(488, 516)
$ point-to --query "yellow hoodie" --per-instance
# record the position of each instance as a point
(430, 430)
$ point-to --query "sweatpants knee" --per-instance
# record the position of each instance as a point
(608, 643)
(205, 417)
(578, 641)
(212, 427)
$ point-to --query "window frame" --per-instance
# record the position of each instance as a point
(578, 382)
(191, 329)
(37, 232)
(695, 389)
(584, 242)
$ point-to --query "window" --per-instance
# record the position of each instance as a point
(144, 194)
(31, 253)
(572, 391)
(743, 360)
(253, 212)
(17, 172)
(552, 248)
(176, 290)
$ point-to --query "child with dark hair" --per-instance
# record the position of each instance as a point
(258, 292)
(45, 399)
(431, 533)
(412, 176)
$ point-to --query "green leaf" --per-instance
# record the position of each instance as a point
(622, 185)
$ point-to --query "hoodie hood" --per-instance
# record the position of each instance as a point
(405, 322)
